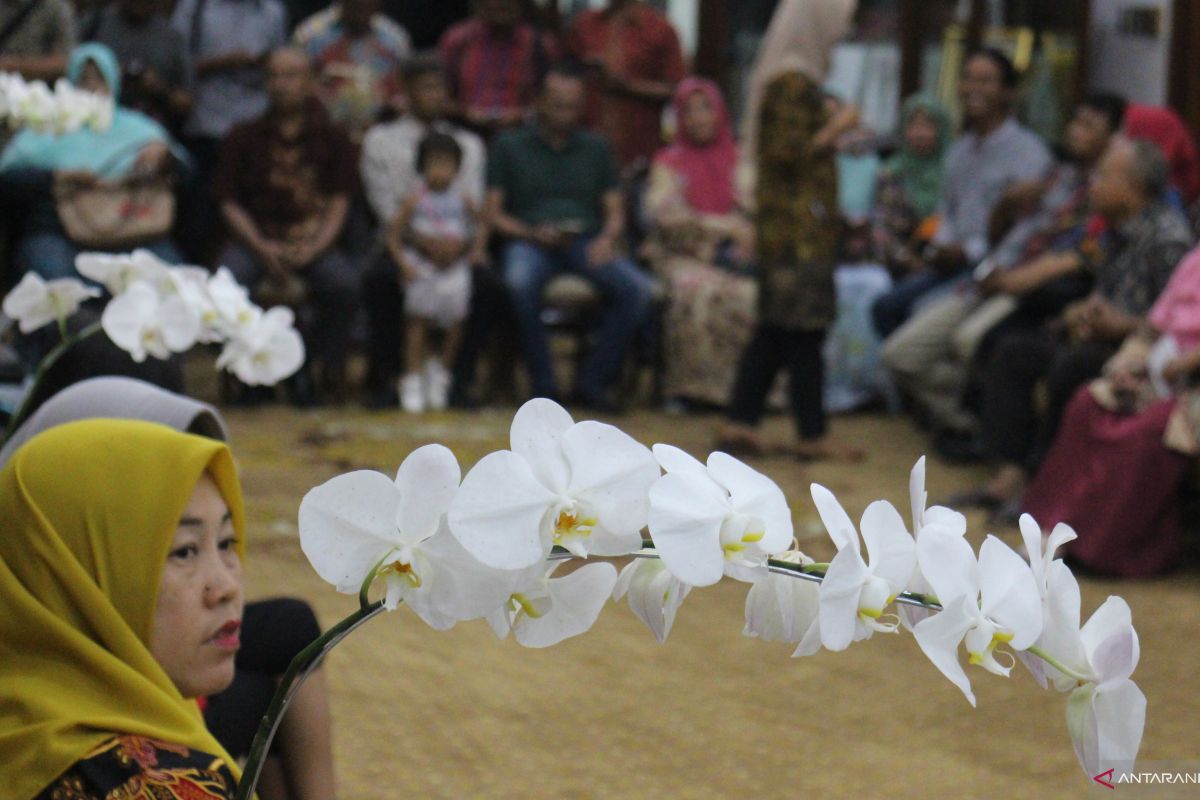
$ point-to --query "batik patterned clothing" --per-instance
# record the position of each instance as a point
(356, 78)
(641, 45)
(797, 211)
(137, 768)
(491, 72)
(1142, 253)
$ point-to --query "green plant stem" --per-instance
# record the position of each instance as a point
(304, 663)
(1058, 665)
(60, 349)
(311, 656)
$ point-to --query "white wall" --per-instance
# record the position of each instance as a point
(1136, 67)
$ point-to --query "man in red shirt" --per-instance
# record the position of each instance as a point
(635, 61)
(494, 63)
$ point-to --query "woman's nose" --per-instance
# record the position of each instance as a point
(223, 582)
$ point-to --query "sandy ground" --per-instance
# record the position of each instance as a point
(711, 714)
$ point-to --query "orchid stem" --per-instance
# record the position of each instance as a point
(297, 672)
(60, 349)
(1058, 665)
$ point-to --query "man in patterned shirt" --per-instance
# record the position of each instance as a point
(357, 53)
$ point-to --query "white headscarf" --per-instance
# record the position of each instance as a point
(800, 38)
(119, 398)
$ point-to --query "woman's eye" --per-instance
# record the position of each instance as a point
(229, 543)
(185, 552)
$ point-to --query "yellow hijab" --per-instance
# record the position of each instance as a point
(87, 513)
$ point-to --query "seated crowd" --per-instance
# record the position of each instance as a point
(1032, 310)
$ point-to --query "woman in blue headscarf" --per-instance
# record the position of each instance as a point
(133, 144)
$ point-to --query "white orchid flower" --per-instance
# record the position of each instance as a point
(781, 608)
(855, 593)
(582, 486)
(714, 519)
(986, 602)
(267, 351)
(118, 272)
(141, 323)
(1060, 600)
(355, 523)
(1106, 712)
(34, 106)
(654, 594)
(542, 610)
(937, 520)
(35, 302)
(231, 310)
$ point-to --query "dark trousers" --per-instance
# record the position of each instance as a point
(333, 285)
(383, 301)
(892, 309)
(800, 353)
(1013, 431)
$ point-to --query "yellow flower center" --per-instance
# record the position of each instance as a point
(402, 570)
(569, 525)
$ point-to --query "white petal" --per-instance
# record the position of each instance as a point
(1031, 537)
(1061, 534)
(1008, 593)
(948, 564)
(28, 303)
(179, 323)
(837, 521)
(461, 588)
(686, 513)
(890, 547)
(950, 520)
(1112, 618)
(536, 435)
(126, 317)
(752, 493)
(810, 643)
(612, 473)
(1060, 625)
(654, 594)
(672, 459)
(499, 511)
(917, 496)
(839, 597)
(347, 524)
(1120, 721)
(781, 608)
(427, 481)
(1082, 727)
(577, 601)
(939, 637)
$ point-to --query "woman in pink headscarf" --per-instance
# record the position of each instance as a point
(1125, 444)
(1164, 127)
(700, 242)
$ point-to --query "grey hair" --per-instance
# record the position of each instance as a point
(1150, 169)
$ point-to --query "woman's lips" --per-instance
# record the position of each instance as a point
(227, 637)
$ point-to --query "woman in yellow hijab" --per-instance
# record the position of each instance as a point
(120, 600)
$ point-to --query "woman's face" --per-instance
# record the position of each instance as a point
(921, 134)
(699, 119)
(199, 610)
(92, 80)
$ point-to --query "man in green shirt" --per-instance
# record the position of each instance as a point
(553, 193)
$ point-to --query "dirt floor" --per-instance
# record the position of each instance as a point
(710, 714)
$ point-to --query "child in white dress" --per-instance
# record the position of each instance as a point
(434, 238)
